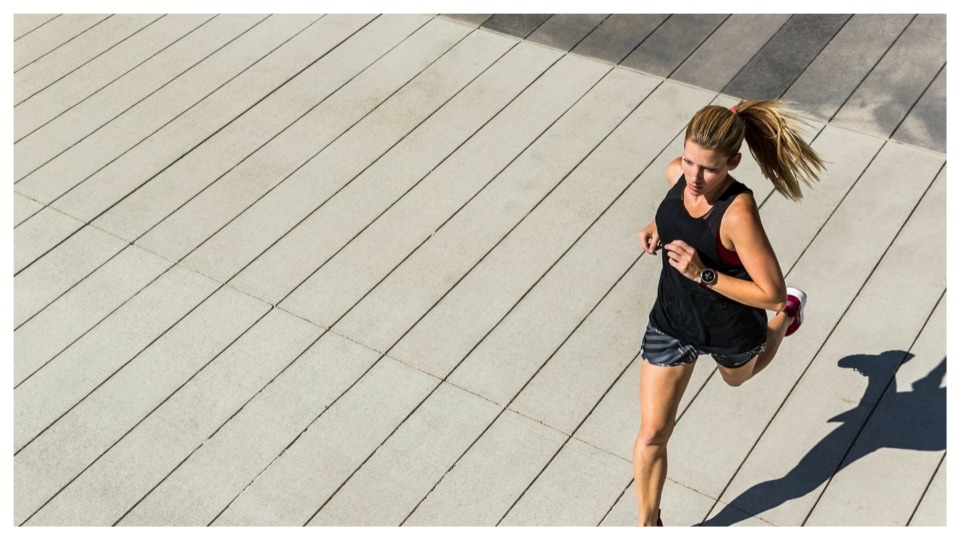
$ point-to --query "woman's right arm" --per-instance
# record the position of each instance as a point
(649, 238)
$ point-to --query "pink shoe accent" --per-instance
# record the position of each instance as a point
(796, 301)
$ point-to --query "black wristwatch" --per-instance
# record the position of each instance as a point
(708, 277)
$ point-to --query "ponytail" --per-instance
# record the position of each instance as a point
(771, 132)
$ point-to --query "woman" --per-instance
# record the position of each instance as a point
(720, 273)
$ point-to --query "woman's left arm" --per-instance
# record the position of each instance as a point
(742, 227)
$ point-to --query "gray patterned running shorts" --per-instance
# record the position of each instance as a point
(660, 349)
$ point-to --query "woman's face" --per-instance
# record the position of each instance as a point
(705, 170)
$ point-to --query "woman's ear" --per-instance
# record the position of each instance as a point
(734, 161)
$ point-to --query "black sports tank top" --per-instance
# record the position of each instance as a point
(693, 314)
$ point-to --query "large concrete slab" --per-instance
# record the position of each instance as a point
(772, 70)
(895, 84)
(672, 42)
(845, 62)
(410, 462)
(56, 32)
(618, 35)
(179, 46)
(250, 441)
(176, 429)
(426, 81)
(79, 104)
(728, 49)
(70, 376)
(322, 236)
(459, 206)
(491, 476)
(311, 470)
(456, 232)
(86, 47)
(300, 231)
(43, 467)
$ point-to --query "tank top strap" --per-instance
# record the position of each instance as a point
(720, 206)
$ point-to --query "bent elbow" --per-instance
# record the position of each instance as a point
(778, 302)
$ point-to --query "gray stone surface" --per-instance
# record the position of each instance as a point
(519, 25)
(727, 50)
(101, 38)
(926, 123)
(899, 79)
(394, 95)
(421, 303)
(56, 32)
(307, 474)
(491, 476)
(672, 42)
(785, 56)
(96, 424)
(845, 62)
(618, 36)
(566, 32)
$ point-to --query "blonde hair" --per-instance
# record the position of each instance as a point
(771, 132)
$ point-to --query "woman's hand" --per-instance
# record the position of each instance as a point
(649, 239)
(685, 259)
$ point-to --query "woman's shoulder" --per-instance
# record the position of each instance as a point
(674, 172)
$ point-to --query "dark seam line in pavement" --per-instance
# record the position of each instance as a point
(826, 338)
(84, 31)
(926, 489)
(391, 205)
(560, 347)
(227, 421)
(444, 295)
(124, 364)
(537, 282)
(872, 69)
(278, 134)
(382, 354)
(335, 139)
(112, 82)
(822, 48)
(644, 40)
(162, 170)
(697, 48)
(755, 55)
(44, 23)
(89, 60)
(903, 359)
(822, 344)
(919, 98)
(464, 205)
(149, 413)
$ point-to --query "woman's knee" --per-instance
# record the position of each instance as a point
(654, 433)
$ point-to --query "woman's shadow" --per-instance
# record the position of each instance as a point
(913, 420)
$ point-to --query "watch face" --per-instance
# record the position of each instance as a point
(708, 276)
